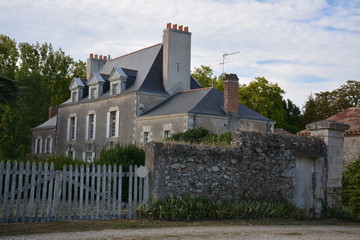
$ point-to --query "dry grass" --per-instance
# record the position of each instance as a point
(12, 229)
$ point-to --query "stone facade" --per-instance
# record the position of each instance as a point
(257, 166)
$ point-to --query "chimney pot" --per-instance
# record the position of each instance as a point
(100, 57)
(186, 29)
(180, 27)
(175, 26)
(168, 25)
(91, 55)
(96, 56)
(105, 58)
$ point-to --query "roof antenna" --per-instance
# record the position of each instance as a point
(223, 60)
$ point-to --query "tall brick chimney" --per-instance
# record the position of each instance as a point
(53, 110)
(231, 89)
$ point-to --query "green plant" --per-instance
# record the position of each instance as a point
(201, 135)
(192, 207)
(124, 155)
(351, 188)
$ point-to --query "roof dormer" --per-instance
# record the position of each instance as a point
(117, 79)
(95, 84)
(76, 87)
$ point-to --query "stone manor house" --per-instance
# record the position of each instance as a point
(142, 96)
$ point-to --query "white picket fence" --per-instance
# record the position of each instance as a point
(38, 193)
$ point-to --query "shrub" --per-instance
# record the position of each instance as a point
(200, 208)
(201, 135)
(351, 188)
(124, 155)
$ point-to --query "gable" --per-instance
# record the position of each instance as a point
(95, 79)
(77, 83)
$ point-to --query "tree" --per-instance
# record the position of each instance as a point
(43, 75)
(266, 98)
(204, 75)
(8, 57)
(325, 104)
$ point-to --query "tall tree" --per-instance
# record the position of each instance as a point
(204, 75)
(266, 98)
(325, 104)
(44, 75)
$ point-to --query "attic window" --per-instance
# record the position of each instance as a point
(74, 96)
(115, 88)
(92, 93)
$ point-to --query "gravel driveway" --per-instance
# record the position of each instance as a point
(213, 232)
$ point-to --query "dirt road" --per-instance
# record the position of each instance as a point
(213, 232)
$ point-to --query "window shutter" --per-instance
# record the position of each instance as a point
(107, 124)
(87, 127)
(84, 156)
(117, 124)
(75, 131)
(51, 145)
(36, 145)
(68, 130)
(94, 126)
(41, 143)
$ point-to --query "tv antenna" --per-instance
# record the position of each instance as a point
(223, 60)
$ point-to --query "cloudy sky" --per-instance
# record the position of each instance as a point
(306, 46)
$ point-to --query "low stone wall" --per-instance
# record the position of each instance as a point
(257, 166)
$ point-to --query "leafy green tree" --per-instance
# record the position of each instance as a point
(8, 57)
(325, 104)
(204, 75)
(266, 98)
(293, 116)
(43, 75)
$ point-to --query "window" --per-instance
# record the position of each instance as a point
(74, 96)
(48, 145)
(115, 88)
(90, 123)
(38, 145)
(89, 157)
(146, 137)
(112, 123)
(167, 134)
(71, 128)
(71, 154)
(93, 93)
(112, 120)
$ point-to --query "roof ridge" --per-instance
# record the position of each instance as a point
(136, 51)
(198, 89)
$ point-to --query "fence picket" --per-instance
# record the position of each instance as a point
(81, 196)
(70, 183)
(19, 191)
(63, 198)
(6, 190)
(38, 193)
(76, 189)
(98, 174)
(12, 194)
(26, 191)
(44, 191)
(130, 192)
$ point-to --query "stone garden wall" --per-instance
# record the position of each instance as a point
(257, 166)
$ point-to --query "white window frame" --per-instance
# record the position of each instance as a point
(74, 96)
(93, 93)
(71, 128)
(114, 110)
(38, 145)
(48, 144)
(88, 126)
(115, 88)
(89, 157)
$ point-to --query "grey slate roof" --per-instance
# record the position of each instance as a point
(208, 101)
(51, 123)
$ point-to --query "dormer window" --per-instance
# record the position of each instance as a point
(76, 87)
(115, 88)
(74, 96)
(93, 93)
(95, 84)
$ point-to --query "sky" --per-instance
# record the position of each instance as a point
(306, 46)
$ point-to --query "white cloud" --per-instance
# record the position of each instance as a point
(319, 38)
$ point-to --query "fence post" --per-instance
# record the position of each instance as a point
(44, 190)
(50, 193)
(20, 190)
(130, 192)
(120, 192)
(57, 193)
(13, 185)
(6, 191)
